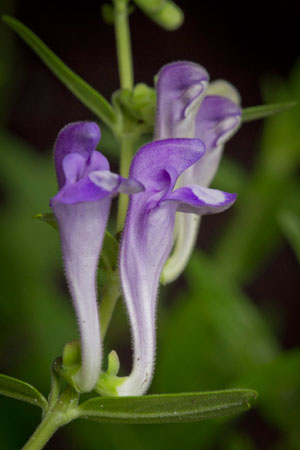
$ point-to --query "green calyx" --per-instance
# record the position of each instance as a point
(109, 381)
(70, 363)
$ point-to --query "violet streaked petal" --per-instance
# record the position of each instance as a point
(78, 137)
(217, 119)
(180, 90)
(200, 200)
(150, 165)
(146, 244)
(82, 229)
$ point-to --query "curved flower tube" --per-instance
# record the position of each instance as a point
(188, 106)
(81, 206)
(148, 239)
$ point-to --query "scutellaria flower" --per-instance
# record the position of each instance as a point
(148, 238)
(82, 205)
(188, 106)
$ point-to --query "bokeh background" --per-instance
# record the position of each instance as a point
(232, 320)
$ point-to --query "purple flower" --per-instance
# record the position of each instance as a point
(189, 107)
(81, 206)
(148, 239)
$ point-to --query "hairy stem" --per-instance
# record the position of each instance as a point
(108, 302)
(62, 412)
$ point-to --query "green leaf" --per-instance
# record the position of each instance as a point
(166, 408)
(290, 224)
(18, 389)
(80, 88)
(48, 218)
(262, 111)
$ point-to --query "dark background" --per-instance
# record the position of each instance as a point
(241, 44)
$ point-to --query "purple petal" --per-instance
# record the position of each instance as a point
(217, 119)
(146, 244)
(200, 200)
(180, 90)
(97, 161)
(82, 191)
(82, 228)
(73, 166)
(157, 161)
(78, 137)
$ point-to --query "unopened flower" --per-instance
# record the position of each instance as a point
(81, 206)
(188, 106)
(148, 239)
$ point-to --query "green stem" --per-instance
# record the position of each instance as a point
(55, 386)
(108, 302)
(49, 425)
(127, 151)
(123, 44)
(63, 411)
(124, 55)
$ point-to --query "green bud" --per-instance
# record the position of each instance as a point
(138, 104)
(113, 363)
(164, 12)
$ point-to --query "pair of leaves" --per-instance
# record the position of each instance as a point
(165, 408)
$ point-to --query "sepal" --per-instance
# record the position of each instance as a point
(109, 381)
(69, 364)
